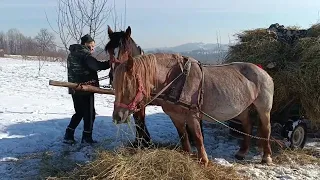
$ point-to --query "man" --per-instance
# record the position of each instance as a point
(82, 68)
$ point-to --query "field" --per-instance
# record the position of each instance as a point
(34, 115)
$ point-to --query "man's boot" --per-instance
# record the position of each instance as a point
(87, 138)
(69, 136)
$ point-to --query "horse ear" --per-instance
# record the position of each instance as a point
(128, 32)
(129, 63)
(109, 30)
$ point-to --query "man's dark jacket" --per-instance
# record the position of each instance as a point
(83, 67)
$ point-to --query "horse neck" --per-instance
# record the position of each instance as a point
(167, 70)
(134, 48)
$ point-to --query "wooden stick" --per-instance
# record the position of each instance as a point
(75, 86)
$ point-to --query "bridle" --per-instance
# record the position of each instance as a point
(113, 59)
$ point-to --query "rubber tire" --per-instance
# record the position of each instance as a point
(301, 146)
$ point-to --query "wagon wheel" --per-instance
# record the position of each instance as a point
(299, 136)
(276, 130)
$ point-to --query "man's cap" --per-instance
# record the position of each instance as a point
(86, 39)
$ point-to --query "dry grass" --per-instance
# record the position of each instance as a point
(296, 75)
(133, 164)
(301, 157)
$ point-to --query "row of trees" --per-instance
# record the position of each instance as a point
(75, 18)
(43, 44)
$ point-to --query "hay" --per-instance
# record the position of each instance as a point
(296, 74)
(133, 164)
(299, 156)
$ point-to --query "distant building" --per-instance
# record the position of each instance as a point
(1, 53)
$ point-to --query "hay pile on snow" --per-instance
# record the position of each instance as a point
(134, 164)
(297, 67)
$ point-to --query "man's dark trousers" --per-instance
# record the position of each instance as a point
(84, 108)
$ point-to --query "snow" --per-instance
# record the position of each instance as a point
(34, 115)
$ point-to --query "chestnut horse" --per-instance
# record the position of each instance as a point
(123, 41)
(215, 92)
(126, 46)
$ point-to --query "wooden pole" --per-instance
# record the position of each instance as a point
(75, 86)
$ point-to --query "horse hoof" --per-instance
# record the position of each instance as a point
(204, 163)
(141, 144)
(239, 157)
(267, 160)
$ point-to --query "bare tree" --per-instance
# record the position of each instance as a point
(45, 41)
(29, 47)
(79, 17)
(12, 40)
(3, 41)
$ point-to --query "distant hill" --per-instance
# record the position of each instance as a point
(206, 53)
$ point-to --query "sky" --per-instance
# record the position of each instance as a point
(166, 23)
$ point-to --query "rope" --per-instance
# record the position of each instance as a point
(281, 144)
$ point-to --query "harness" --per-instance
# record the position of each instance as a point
(173, 95)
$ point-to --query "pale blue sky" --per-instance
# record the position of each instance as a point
(159, 23)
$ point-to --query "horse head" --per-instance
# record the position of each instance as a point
(134, 81)
(120, 47)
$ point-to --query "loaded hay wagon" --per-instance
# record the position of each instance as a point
(292, 57)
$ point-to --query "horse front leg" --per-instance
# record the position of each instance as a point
(142, 133)
(192, 142)
(195, 130)
(179, 123)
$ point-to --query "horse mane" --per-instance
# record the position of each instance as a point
(145, 67)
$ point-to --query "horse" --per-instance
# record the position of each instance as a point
(127, 47)
(210, 92)
(123, 41)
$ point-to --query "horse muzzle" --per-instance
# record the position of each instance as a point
(121, 115)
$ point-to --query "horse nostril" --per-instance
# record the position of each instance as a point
(116, 116)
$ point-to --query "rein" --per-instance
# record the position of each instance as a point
(185, 70)
(141, 91)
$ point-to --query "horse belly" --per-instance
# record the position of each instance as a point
(227, 95)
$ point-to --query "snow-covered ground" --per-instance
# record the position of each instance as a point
(34, 115)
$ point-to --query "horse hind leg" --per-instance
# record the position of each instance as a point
(247, 127)
(263, 106)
